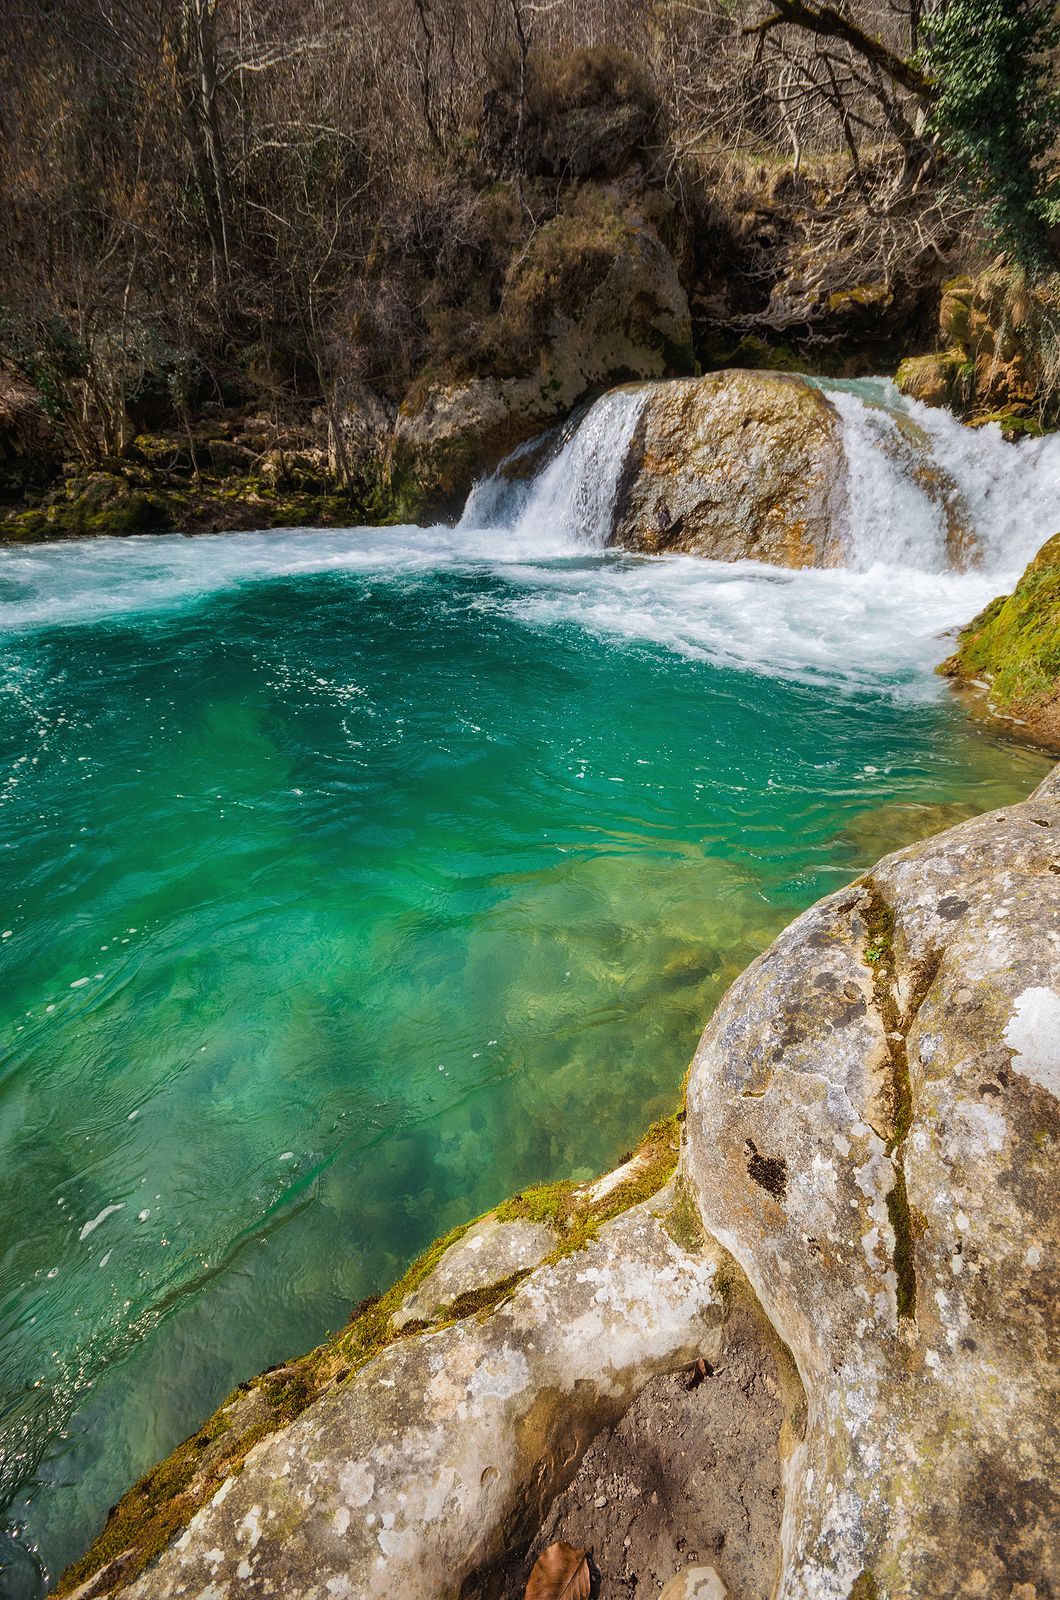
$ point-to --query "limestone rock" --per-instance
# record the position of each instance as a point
(359, 424)
(695, 1583)
(872, 1128)
(989, 366)
(736, 464)
(489, 1253)
(633, 322)
(428, 1463)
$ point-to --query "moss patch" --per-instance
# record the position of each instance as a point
(1014, 646)
(570, 1208)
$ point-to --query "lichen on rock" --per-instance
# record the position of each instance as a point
(876, 1049)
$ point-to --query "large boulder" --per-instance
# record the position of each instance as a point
(872, 1132)
(595, 300)
(421, 1469)
(736, 464)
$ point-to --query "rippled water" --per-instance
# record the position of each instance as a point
(352, 880)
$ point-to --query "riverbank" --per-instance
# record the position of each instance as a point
(501, 809)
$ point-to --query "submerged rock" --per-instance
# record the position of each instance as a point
(733, 465)
(872, 1128)
(1012, 649)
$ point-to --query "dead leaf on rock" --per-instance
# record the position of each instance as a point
(701, 1371)
(560, 1573)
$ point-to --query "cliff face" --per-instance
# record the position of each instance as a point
(861, 1223)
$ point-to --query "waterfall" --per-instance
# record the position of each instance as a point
(921, 482)
(574, 491)
(925, 492)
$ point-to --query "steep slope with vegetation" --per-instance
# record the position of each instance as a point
(252, 250)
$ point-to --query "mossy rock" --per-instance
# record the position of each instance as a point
(1014, 647)
(941, 379)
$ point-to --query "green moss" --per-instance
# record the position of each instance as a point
(901, 1221)
(754, 353)
(551, 1203)
(1015, 643)
(1013, 424)
(879, 955)
(865, 1587)
(683, 1222)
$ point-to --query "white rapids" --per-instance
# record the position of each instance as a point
(536, 533)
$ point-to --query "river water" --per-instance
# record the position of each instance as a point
(351, 880)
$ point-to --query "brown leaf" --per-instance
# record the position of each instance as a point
(699, 1373)
(560, 1573)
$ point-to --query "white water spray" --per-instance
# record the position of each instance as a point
(911, 467)
(919, 483)
(574, 493)
(537, 529)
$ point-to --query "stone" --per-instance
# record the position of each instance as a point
(871, 1131)
(634, 323)
(734, 465)
(695, 1583)
(991, 328)
(423, 1467)
(358, 424)
(489, 1253)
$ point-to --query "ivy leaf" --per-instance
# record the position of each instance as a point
(560, 1573)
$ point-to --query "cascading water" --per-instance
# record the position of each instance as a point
(919, 483)
(574, 493)
(914, 469)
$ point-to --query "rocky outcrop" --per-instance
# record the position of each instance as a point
(736, 464)
(417, 1470)
(1011, 651)
(988, 366)
(610, 311)
(29, 447)
(872, 1121)
(864, 1196)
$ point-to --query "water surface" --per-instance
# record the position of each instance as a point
(351, 881)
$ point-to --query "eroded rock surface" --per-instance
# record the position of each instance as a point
(490, 1252)
(424, 1466)
(872, 1128)
(690, 1480)
(733, 465)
